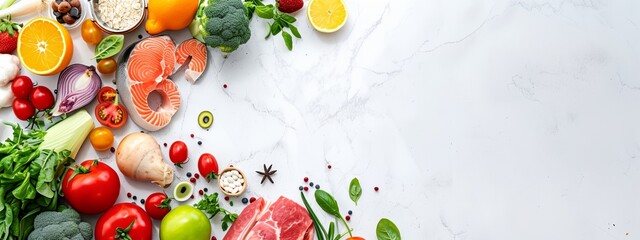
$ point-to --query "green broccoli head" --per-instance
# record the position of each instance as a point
(60, 225)
(227, 25)
(55, 218)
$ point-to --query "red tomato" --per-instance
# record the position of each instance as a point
(91, 188)
(178, 153)
(23, 109)
(42, 98)
(107, 94)
(355, 238)
(157, 205)
(124, 221)
(111, 114)
(21, 87)
(208, 166)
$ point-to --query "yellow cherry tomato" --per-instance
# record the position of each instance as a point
(90, 32)
(101, 138)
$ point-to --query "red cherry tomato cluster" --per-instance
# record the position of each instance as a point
(29, 98)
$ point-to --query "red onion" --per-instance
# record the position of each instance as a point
(78, 85)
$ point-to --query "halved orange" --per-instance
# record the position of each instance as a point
(45, 46)
(327, 15)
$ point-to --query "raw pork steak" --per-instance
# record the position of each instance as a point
(282, 220)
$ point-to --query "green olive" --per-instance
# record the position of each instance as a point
(205, 119)
(183, 191)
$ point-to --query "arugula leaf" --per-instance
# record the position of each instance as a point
(355, 190)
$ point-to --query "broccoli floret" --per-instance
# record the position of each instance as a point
(54, 218)
(222, 24)
(85, 230)
(60, 225)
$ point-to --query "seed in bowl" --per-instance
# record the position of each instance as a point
(231, 181)
(119, 14)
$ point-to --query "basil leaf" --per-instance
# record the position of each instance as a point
(355, 190)
(327, 203)
(275, 28)
(287, 40)
(387, 230)
(288, 18)
(294, 30)
(109, 46)
(265, 12)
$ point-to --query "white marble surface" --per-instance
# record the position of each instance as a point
(477, 119)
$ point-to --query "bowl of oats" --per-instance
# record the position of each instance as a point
(118, 16)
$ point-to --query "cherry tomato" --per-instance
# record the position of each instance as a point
(107, 94)
(124, 221)
(42, 98)
(110, 114)
(92, 187)
(101, 138)
(355, 238)
(23, 109)
(91, 34)
(21, 87)
(157, 205)
(208, 166)
(107, 66)
(178, 153)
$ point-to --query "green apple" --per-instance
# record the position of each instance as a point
(185, 222)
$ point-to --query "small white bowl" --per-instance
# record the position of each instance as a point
(84, 8)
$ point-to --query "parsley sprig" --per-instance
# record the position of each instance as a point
(210, 205)
(281, 21)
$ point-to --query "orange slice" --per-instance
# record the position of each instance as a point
(327, 15)
(45, 46)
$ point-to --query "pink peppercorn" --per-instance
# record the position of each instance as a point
(376, 189)
(193, 180)
(347, 217)
(306, 179)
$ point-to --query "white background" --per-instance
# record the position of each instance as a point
(477, 119)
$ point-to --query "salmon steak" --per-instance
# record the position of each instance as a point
(198, 53)
(143, 78)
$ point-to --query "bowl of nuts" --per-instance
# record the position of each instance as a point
(69, 13)
(232, 182)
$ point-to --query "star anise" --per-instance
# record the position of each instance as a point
(267, 173)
